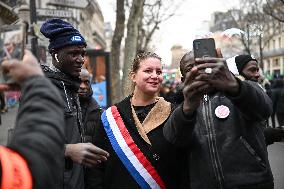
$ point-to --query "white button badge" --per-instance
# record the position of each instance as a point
(222, 111)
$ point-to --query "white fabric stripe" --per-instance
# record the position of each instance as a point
(128, 152)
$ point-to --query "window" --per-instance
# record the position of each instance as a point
(279, 42)
(276, 62)
(268, 64)
(274, 44)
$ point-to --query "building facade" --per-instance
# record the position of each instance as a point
(273, 56)
(89, 20)
(177, 52)
(266, 40)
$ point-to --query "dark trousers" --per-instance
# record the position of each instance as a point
(2, 101)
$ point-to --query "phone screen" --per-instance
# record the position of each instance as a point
(12, 48)
(203, 48)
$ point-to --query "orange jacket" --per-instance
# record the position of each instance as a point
(15, 171)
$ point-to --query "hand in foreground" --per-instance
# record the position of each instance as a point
(86, 154)
(21, 70)
(216, 73)
(193, 92)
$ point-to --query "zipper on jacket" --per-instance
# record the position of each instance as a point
(252, 151)
(207, 114)
(78, 113)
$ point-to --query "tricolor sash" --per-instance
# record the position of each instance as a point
(131, 156)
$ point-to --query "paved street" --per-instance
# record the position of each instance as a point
(8, 121)
(276, 158)
(276, 151)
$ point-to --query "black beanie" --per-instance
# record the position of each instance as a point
(242, 60)
(61, 34)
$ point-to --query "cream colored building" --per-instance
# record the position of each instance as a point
(177, 52)
(89, 20)
(273, 56)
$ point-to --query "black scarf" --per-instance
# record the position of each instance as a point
(70, 82)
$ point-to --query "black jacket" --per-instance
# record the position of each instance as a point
(39, 135)
(91, 116)
(113, 175)
(230, 152)
(68, 88)
(277, 96)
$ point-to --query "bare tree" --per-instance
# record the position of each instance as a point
(115, 51)
(275, 9)
(131, 40)
(155, 12)
(144, 19)
(252, 19)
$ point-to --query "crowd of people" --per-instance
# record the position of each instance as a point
(206, 134)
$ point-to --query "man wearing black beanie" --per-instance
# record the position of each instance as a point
(248, 67)
(67, 48)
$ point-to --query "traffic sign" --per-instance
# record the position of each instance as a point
(70, 3)
(54, 13)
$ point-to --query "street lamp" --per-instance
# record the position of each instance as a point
(24, 17)
(33, 19)
(24, 13)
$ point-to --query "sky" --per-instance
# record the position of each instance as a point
(180, 29)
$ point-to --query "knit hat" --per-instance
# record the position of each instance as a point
(242, 60)
(61, 34)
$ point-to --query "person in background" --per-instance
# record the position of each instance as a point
(132, 132)
(34, 157)
(67, 48)
(219, 126)
(248, 68)
(91, 111)
(277, 96)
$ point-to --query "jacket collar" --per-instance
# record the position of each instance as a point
(158, 114)
(57, 77)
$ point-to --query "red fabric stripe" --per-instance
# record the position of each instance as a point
(129, 141)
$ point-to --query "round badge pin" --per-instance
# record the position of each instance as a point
(222, 111)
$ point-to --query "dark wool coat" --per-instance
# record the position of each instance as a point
(39, 135)
(113, 175)
(91, 114)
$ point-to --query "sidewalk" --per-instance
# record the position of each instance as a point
(8, 121)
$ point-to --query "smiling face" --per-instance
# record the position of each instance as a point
(148, 77)
(71, 59)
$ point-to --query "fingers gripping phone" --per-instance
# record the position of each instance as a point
(203, 48)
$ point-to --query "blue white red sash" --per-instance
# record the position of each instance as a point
(128, 152)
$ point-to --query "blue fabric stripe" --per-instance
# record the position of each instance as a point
(131, 169)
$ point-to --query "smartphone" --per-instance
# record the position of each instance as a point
(203, 48)
(14, 43)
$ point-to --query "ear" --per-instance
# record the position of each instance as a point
(132, 76)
